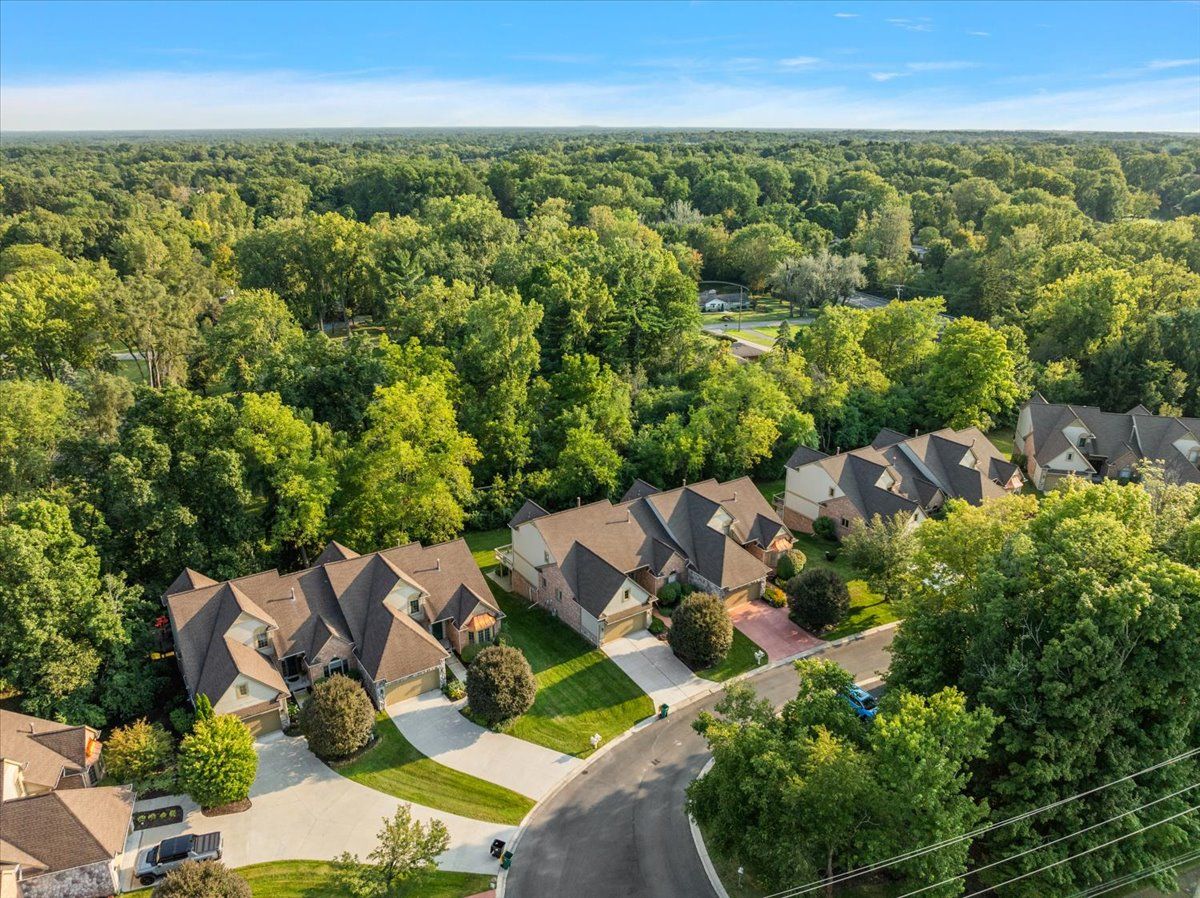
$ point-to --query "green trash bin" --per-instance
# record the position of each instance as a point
(663, 710)
(506, 860)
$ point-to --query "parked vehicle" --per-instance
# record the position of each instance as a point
(157, 861)
(862, 702)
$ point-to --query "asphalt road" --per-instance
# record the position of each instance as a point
(619, 828)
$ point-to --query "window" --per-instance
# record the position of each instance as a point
(471, 637)
(1194, 455)
(558, 594)
(1070, 456)
(845, 523)
(1082, 440)
(262, 640)
(831, 491)
(1124, 473)
(242, 690)
(627, 595)
(546, 556)
(414, 606)
(337, 665)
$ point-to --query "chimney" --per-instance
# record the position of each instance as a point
(293, 594)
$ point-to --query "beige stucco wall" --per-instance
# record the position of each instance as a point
(256, 693)
(805, 488)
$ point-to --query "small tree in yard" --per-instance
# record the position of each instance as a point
(207, 879)
(500, 684)
(217, 762)
(138, 752)
(701, 631)
(883, 548)
(818, 599)
(338, 719)
(790, 564)
(407, 850)
(825, 528)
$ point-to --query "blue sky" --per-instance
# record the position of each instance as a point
(1074, 65)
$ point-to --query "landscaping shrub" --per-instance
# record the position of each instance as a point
(825, 528)
(790, 564)
(454, 690)
(207, 879)
(182, 719)
(217, 761)
(657, 627)
(338, 719)
(818, 599)
(138, 753)
(701, 632)
(669, 595)
(500, 684)
(774, 596)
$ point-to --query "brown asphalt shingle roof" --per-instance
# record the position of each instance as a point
(65, 829)
(47, 749)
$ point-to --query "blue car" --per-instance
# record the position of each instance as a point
(862, 702)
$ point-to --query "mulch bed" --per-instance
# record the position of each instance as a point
(158, 817)
(354, 756)
(235, 807)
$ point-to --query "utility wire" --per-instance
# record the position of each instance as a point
(1104, 888)
(909, 855)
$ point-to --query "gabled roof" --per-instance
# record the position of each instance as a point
(527, 512)
(639, 489)
(804, 455)
(46, 748)
(189, 579)
(66, 828)
(592, 580)
(334, 551)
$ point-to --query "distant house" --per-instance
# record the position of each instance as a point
(390, 616)
(895, 475)
(1061, 440)
(60, 834)
(600, 566)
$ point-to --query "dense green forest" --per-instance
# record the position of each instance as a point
(219, 352)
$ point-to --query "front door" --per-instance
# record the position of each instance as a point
(438, 631)
(293, 666)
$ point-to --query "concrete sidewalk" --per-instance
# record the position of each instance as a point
(304, 810)
(433, 724)
(653, 666)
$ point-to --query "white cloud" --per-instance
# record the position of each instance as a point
(1156, 65)
(796, 62)
(845, 15)
(952, 65)
(888, 76)
(924, 23)
(980, 33)
(282, 99)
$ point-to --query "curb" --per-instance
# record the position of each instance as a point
(502, 876)
(702, 850)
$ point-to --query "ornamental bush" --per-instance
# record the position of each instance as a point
(138, 752)
(818, 599)
(774, 596)
(790, 564)
(207, 879)
(701, 631)
(338, 719)
(825, 528)
(500, 684)
(217, 762)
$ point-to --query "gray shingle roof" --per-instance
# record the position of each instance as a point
(527, 512)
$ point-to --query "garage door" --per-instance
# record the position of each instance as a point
(398, 692)
(264, 723)
(745, 594)
(625, 627)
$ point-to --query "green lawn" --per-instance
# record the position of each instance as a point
(1002, 439)
(396, 767)
(867, 609)
(315, 879)
(739, 660)
(482, 542)
(770, 487)
(581, 691)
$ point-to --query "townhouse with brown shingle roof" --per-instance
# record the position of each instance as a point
(1061, 440)
(392, 616)
(895, 475)
(60, 834)
(598, 567)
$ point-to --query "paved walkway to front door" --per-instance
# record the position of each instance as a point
(653, 666)
(432, 723)
(301, 809)
(772, 629)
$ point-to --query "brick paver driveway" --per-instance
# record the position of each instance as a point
(771, 629)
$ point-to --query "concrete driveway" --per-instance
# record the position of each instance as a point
(433, 724)
(303, 810)
(653, 666)
(772, 629)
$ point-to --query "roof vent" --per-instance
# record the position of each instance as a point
(292, 595)
(438, 566)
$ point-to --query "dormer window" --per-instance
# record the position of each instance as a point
(414, 606)
(1194, 455)
(262, 641)
(1083, 438)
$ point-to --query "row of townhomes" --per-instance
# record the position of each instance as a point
(894, 475)
(598, 567)
(1063, 440)
(60, 833)
(391, 616)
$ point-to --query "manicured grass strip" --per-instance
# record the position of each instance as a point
(769, 488)
(396, 767)
(315, 879)
(739, 660)
(482, 543)
(867, 609)
(1003, 440)
(581, 691)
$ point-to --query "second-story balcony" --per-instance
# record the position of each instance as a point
(504, 556)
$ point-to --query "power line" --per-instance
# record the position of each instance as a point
(1039, 847)
(936, 846)
(1080, 854)
(1104, 888)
